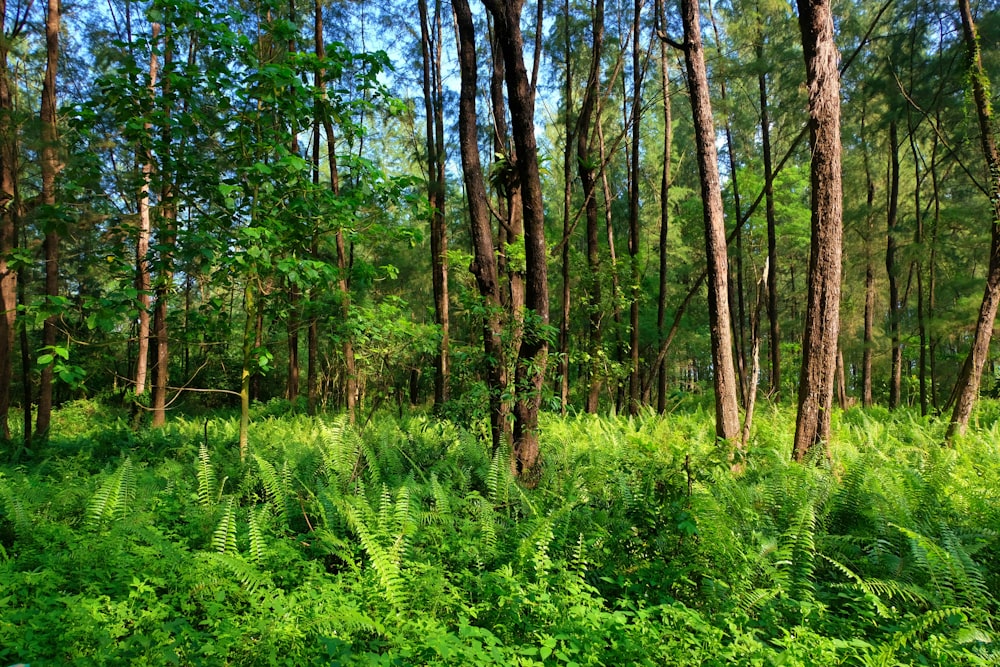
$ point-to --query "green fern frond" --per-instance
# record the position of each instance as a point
(14, 508)
(246, 574)
(258, 545)
(274, 485)
(114, 497)
(224, 537)
(384, 561)
(207, 483)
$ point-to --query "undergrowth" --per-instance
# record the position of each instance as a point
(408, 543)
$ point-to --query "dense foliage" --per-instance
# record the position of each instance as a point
(407, 543)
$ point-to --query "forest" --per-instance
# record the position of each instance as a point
(581, 332)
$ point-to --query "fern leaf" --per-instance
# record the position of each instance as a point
(114, 497)
(246, 574)
(258, 545)
(224, 537)
(206, 478)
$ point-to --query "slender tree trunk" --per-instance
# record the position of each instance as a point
(530, 373)
(587, 167)
(755, 336)
(918, 239)
(869, 341)
(634, 395)
(665, 182)
(774, 331)
(143, 282)
(726, 410)
(822, 323)
(736, 301)
(294, 303)
(167, 210)
(564, 320)
(430, 44)
(967, 387)
(50, 167)
(8, 225)
(896, 372)
(312, 344)
(510, 233)
(246, 375)
(484, 265)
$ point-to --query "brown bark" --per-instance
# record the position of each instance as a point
(350, 365)
(567, 222)
(896, 370)
(866, 359)
(665, 182)
(294, 301)
(532, 360)
(50, 167)
(736, 301)
(9, 203)
(822, 322)
(967, 386)
(167, 210)
(430, 46)
(774, 325)
(143, 282)
(484, 265)
(633, 213)
(726, 410)
(587, 168)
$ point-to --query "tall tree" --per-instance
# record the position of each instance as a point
(892, 208)
(430, 47)
(587, 167)
(727, 424)
(967, 387)
(822, 321)
(50, 167)
(532, 359)
(484, 265)
(9, 204)
(142, 277)
(665, 182)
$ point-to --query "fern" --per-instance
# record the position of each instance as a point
(258, 545)
(224, 537)
(276, 486)
(114, 497)
(246, 574)
(207, 483)
(14, 508)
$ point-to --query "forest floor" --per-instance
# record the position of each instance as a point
(408, 543)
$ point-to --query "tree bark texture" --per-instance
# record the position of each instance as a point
(967, 387)
(484, 265)
(822, 321)
(665, 182)
(530, 372)
(8, 221)
(50, 167)
(726, 410)
(892, 207)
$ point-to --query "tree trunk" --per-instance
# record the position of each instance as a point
(896, 371)
(143, 282)
(484, 265)
(634, 394)
(774, 330)
(866, 359)
(587, 167)
(665, 181)
(822, 322)
(530, 373)
(50, 167)
(292, 385)
(726, 410)
(568, 225)
(8, 223)
(167, 228)
(430, 45)
(967, 387)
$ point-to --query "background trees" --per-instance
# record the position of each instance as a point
(234, 176)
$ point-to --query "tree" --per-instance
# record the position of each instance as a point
(430, 47)
(967, 386)
(530, 371)
(9, 205)
(726, 410)
(822, 320)
(50, 168)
